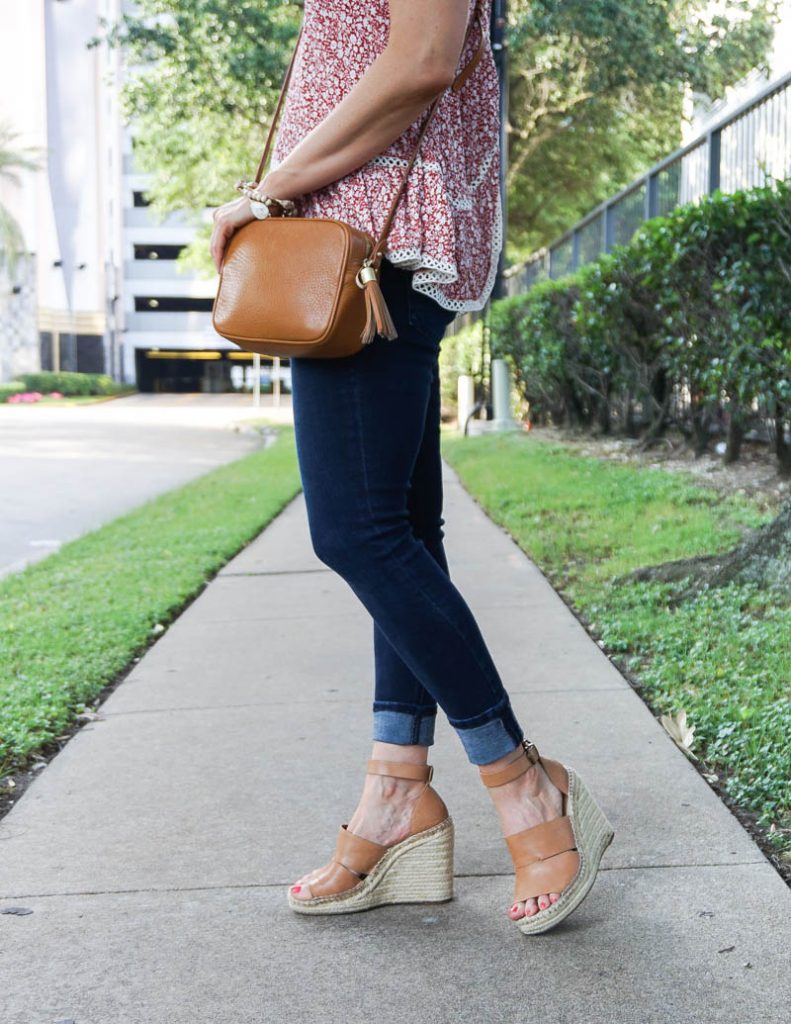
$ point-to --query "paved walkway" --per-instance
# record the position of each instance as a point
(155, 850)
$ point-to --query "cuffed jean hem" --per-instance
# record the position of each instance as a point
(490, 735)
(399, 723)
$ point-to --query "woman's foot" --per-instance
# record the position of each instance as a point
(384, 810)
(528, 800)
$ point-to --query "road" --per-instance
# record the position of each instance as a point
(65, 470)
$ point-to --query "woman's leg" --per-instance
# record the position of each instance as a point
(404, 711)
(360, 423)
(367, 433)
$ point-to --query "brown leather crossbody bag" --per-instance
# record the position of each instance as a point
(309, 286)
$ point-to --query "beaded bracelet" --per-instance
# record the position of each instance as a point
(250, 190)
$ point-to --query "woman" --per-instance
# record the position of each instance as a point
(368, 442)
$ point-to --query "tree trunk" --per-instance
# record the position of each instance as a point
(733, 446)
(764, 557)
(700, 428)
(782, 448)
(657, 427)
(604, 416)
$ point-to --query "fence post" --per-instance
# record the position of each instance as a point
(608, 228)
(501, 396)
(466, 398)
(652, 196)
(715, 158)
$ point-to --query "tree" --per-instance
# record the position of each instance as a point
(596, 94)
(12, 160)
(596, 90)
(204, 78)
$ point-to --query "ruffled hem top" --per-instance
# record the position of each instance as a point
(448, 223)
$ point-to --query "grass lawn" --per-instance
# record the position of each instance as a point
(72, 622)
(724, 657)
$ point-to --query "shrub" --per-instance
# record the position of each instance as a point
(15, 387)
(688, 323)
(70, 383)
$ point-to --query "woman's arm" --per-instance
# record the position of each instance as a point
(418, 62)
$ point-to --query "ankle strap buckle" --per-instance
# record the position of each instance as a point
(531, 750)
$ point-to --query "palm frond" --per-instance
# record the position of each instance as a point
(12, 160)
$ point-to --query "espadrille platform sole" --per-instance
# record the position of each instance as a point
(419, 869)
(593, 833)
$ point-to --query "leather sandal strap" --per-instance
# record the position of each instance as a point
(359, 875)
(515, 768)
(545, 858)
(544, 876)
(359, 855)
(401, 770)
(354, 858)
(540, 842)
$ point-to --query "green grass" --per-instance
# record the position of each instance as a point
(72, 622)
(724, 657)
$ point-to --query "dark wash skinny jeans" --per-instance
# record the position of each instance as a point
(368, 444)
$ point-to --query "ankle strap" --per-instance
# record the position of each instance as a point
(401, 769)
(528, 756)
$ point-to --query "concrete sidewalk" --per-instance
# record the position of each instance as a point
(156, 848)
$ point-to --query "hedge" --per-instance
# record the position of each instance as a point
(689, 324)
(7, 390)
(69, 383)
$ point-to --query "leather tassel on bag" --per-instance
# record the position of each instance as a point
(378, 319)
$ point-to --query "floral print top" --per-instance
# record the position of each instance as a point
(448, 224)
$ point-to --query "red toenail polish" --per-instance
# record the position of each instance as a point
(296, 888)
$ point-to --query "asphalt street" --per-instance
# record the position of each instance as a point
(65, 470)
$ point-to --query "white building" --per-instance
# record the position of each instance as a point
(168, 343)
(51, 94)
(100, 291)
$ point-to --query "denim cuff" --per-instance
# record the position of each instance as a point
(491, 734)
(401, 723)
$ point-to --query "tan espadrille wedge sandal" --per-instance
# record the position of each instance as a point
(561, 855)
(417, 869)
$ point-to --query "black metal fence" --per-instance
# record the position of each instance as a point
(741, 151)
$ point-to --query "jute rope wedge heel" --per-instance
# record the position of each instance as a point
(417, 869)
(561, 855)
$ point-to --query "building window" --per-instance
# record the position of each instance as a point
(158, 252)
(140, 199)
(172, 304)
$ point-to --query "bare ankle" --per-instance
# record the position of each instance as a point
(409, 753)
(388, 787)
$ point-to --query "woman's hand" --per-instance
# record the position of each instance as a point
(227, 220)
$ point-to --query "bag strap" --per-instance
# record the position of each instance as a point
(457, 84)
